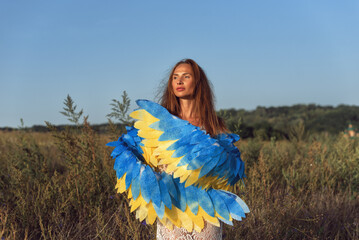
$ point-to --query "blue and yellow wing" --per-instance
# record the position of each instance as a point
(155, 195)
(187, 151)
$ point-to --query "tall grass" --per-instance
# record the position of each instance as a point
(63, 189)
(60, 185)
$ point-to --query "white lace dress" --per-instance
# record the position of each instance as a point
(209, 232)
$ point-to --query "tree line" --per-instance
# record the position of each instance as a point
(285, 122)
(266, 123)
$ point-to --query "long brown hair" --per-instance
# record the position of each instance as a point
(203, 99)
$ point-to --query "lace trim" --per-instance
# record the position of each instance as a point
(209, 232)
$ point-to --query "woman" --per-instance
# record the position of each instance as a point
(188, 95)
(176, 163)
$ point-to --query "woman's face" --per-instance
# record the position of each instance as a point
(183, 81)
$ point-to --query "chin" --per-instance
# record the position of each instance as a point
(184, 96)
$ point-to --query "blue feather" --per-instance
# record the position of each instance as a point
(129, 172)
(179, 143)
(135, 186)
(122, 161)
(160, 210)
(209, 166)
(235, 205)
(176, 133)
(223, 170)
(233, 166)
(147, 180)
(132, 131)
(118, 150)
(198, 137)
(219, 204)
(213, 149)
(168, 181)
(230, 223)
(182, 150)
(129, 140)
(205, 202)
(154, 109)
(181, 200)
(165, 196)
(136, 169)
(165, 124)
(205, 156)
(187, 158)
(192, 199)
(112, 144)
(198, 162)
(234, 137)
(223, 158)
(155, 192)
(203, 144)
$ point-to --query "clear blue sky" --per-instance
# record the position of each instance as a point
(266, 53)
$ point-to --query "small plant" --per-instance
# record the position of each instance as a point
(22, 125)
(297, 131)
(70, 110)
(120, 109)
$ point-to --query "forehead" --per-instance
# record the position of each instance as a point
(183, 68)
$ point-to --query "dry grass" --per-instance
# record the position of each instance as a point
(60, 185)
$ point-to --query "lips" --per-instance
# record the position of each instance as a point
(180, 89)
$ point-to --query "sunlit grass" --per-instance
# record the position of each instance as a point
(60, 185)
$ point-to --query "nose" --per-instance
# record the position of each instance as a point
(180, 82)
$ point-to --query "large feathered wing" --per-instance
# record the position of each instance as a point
(187, 151)
(192, 189)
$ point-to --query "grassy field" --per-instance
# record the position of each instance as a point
(60, 185)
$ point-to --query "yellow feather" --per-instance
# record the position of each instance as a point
(163, 221)
(136, 203)
(187, 222)
(129, 193)
(185, 175)
(180, 171)
(149, 134)
(142, 125)
(197, 219)
(141, 213)
(151, 215)
(165, 161)
(171, 167)
(216, 214)
(208, 218)
(151, 142)
(122, 184)
(166, 156)
(172, 215)
(154, 160)
(167, 223)
(148, 156)
(145, 154)
(197, 228)
(144, 116)
(164, 145)
(117, 185)
(193, 177)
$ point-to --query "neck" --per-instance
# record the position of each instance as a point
(187, 109)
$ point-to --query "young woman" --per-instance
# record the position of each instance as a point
(178, 172)
(189, 96)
